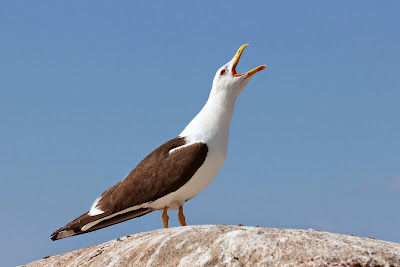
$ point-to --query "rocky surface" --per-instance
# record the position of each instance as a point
(223, 245)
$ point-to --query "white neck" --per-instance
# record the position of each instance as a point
(212, 123)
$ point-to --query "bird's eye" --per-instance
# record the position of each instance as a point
(223, 72)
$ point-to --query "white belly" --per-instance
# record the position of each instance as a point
(200, 180)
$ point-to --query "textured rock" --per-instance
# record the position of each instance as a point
(211, 245)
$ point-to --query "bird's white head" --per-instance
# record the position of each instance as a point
(229, 83)
(212, 123)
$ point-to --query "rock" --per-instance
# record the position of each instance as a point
(224, 245)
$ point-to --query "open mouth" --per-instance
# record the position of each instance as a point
(236, 61)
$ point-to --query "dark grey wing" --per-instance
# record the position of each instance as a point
(157, 175)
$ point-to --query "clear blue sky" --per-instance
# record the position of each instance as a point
(87, 89)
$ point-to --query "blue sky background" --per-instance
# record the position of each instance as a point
(88, 88)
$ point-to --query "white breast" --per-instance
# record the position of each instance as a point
(200, 180)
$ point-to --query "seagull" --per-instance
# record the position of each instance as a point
(177, 170)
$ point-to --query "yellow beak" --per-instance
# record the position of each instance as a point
(236, 59)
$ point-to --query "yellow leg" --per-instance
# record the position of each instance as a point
(165, 217)
(181, 216)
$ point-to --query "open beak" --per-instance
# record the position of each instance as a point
(236, 59)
